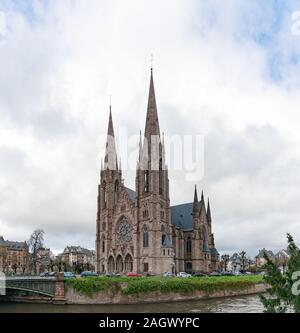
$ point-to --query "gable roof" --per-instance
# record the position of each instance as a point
(181, 216)
(131, 193)
(261, 253)
(16, 245)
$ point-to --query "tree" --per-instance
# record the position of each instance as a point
(281, 294)
(35, 243)
(225, 260)
(243, 260)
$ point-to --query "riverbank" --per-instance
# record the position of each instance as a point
(103, 290)
(242, 304)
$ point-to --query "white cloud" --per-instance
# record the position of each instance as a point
(58, 66)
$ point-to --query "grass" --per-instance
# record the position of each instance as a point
(135, 286)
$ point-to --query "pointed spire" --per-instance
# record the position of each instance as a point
(208, 212)
(196, 203)
(195, 195)
(110, 160)
(152, 124)
(202, 203)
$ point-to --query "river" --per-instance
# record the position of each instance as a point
(244, 304)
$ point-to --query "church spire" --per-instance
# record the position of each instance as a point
(195, 204)
(195, 195)
(152, 124)
(202, 203)
(110, 160)
(208, 212)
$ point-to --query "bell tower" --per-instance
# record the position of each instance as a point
(152, 189)
(108, 194)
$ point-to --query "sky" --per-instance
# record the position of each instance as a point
(228, 70)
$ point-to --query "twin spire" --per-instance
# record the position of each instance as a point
(199, 205)
(151, 129)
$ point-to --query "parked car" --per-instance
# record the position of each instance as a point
(134, 275)
(45, 274)
(69, 275)
(198, 274)
(183, 275)
(227, 274)
(238, 273)
(52, 274)
(215, 274)
(168, 274)
(113, 275)
(88, 273)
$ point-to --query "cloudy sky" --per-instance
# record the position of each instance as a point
(228, 70)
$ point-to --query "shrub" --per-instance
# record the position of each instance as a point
(91, 285)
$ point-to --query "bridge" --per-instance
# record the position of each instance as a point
(30, 288)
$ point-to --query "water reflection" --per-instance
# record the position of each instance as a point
(226, 305)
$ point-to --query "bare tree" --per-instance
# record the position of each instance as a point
(243, 260)
(35, 243)
(225, 260)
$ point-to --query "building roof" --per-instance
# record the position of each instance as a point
(261, 253)
(282, 253)
(181, 216)
(214, 251)
(77, 249)
(16, 245)
(131, 193)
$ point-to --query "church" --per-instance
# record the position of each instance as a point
(138, 231)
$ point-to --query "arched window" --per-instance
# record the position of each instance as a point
(204, 237)
(189, 245)
(119, 265)
(163, 235)
(146, 181)
(104, 195)
(103, 246)
(160, 177)
(128, 263)
(145, 237)
(111, 265)
(116, 192)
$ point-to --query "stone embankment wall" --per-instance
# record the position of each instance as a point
(108, 297)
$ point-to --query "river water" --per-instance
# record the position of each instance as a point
(226, 305)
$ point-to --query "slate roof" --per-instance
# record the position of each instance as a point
(181, 216)
(214, 251)
(261, 253)
(17, 245)
(131, 193)
(77, 249)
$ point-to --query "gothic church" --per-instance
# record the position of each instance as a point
(138, 231)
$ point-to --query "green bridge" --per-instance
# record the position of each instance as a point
(28, 287)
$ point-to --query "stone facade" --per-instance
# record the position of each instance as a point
(138, 231)
(14, 257)
(77, 255)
